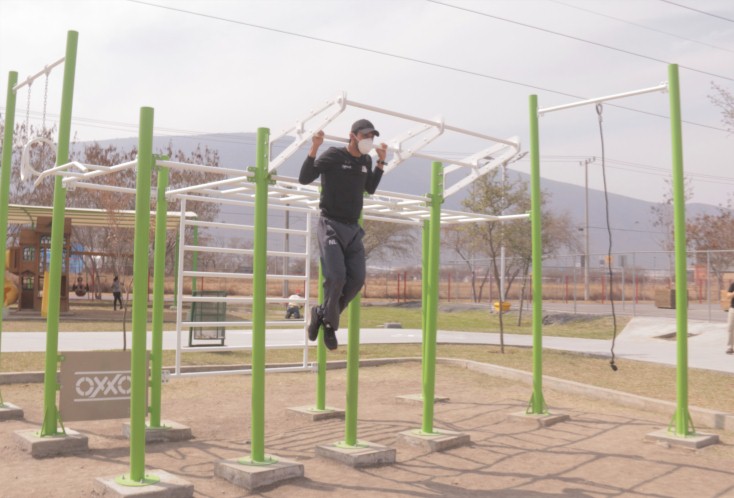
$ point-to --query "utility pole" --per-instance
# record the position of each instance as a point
(585, 163)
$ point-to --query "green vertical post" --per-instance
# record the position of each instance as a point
(138, 367)
(351, 408)
(434, 255)
(683, 424)
(5, 165)
(159, 274)
(194, 259)
(260, 247)
(424, 293)
(321, 355)
(175, 270)
(50, 386)
(537, 402)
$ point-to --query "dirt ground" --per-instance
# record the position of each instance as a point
(599, 453)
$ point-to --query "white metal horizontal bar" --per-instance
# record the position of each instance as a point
(199, 167)
(659, 88)
(236, 226)
(46, 70)
(233, 300)
(99, 172)
(225, 274)
(218, 183)
(220, 250)
(238, 323)
(240, 372)
(443, 159)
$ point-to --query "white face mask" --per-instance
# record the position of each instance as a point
(365, 145)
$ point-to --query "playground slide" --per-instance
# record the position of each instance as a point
(11, 293)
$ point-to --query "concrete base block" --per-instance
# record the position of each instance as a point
(440, 441)
(417, 399)
(8, 411)
(545, 420)
(169, 432)
(695, 441)
(48, 446)
(252, 477)
(364, 454)
(314, 415)
(169, 486)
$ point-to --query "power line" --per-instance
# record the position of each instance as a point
(576, 38)
(641, 26)
(412, 59)
(697, 10)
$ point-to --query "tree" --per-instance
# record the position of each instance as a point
(714, 232)
(384, 239)
(723, 99)
(490, 196)
(113, 239)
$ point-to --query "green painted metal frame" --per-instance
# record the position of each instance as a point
(5, 165)
(431, 298)
(138, 367)
(51, 419)
(159, 274)
(537, 404)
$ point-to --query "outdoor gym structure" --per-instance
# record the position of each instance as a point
(261, 188)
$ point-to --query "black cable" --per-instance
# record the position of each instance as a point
(697, 10)
(599, 110)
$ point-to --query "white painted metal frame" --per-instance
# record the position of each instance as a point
(405, 145)
(662, 87)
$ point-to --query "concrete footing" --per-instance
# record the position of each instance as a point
(417, 399)
(544, 420)
(441, 440)
(48, 446)
(364, 454)
(256, 476)
(694, 441)
(169, 432)
(169, 486)
(8, 411)
(313, 414)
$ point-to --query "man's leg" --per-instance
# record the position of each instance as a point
(334, 270)
(354, 261)
(730, 343)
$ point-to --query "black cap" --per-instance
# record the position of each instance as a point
(364, 126)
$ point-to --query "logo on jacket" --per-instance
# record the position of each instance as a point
(346, 166)
(364, 169)
(332, 242)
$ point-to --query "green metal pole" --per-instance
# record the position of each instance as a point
(159, 274)
(260, 262)
(194, 259)
(537, 402)
(434, 255)
(138, 367)
(351, 409)
(683, 424)
(50, 386)
(321, 355)
(175, 270)
(424, 294)
(5, 165)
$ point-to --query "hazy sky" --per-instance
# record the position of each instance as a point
(233, 66)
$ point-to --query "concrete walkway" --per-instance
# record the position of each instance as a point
(645, 339)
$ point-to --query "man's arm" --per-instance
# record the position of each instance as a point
(308, 169)
(373, 179)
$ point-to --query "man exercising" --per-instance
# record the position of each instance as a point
(346, 174)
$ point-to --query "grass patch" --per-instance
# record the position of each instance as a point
(706, 388)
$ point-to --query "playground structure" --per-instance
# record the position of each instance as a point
(261, 188)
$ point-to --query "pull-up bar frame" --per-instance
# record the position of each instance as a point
(681, 424)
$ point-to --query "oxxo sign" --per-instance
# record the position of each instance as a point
(95, 385)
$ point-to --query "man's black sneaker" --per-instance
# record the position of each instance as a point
(315, 324)
(330, 338)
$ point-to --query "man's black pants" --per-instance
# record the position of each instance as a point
(343, 265)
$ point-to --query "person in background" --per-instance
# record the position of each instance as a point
(730, 296)
(293, 309)
(346, 174)
(116, 293)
